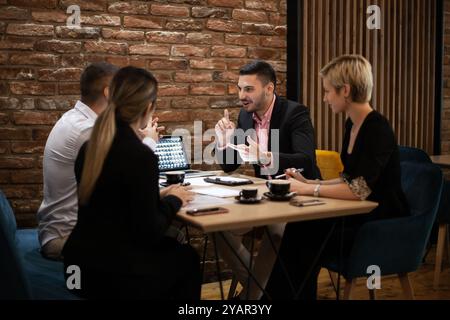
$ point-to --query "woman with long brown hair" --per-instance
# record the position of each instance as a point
(119, 241)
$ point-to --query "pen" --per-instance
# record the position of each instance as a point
(284, 175)
(202, 210)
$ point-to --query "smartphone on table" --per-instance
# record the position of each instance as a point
(206, 211)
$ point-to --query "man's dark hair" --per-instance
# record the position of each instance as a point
(262, 69)
(94, 79)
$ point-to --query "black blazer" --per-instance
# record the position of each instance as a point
(125, 218)
(297, 148)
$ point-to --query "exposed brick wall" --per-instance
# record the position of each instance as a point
(194, 47)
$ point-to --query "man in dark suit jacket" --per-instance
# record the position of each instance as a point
(276, 134)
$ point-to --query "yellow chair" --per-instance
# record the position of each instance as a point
(329, 163)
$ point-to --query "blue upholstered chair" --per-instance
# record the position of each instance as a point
(24, 273)
(443, 215)
(397, 245)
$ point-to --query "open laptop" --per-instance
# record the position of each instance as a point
(172, 157)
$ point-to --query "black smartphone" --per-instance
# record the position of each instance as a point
(206, 211)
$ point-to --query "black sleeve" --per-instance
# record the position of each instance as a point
(303, 145)
(79, 162)
(151, 216)
(378, 143)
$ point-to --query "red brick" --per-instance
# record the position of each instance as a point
(226, 3)
(50, 16)
(143, 22)
(16, 163)
(172, 90)
(32, 88)
(186, 24)
(279, 66)
(12, 103)
(172, 116)
(249, 15)
(190, 102)
(204, 38)
(40, 59)
(208, 64)
(124, 61)
(14, 13)
(17, 43)
(4, 89)
(16, 73)
(228, 52)
(167, 64)
(283, 7)
(170, 11)
(163, 76)
(262, 53)
(47, 4)
(5, 176)
(26, 176)
(100, 20)
(233, 90)
(236, 64)
(106, 47)
(88, 5)
(4, 147)
(78, 33)
(226, 76)
(274, 42)
(258, 28)
(206, 115)
(208, 90)
(148, 49)
(28, 147)
(188, 50)
(35, 117)
(241, 40)
(69, 88)
(56, 103)
(61, 74)
(73, 61)
(206, 12)
(41, 133)
(281, 30)
(268, 5)
(30, 29)
(165, 36)
(193, 76)
(277, 19)
(3, 58)
(223, 25)
(133, 7)
(58, 46)
(122, 34)
(15, 134)
(224, 103)
(19, 191)
(4, 118)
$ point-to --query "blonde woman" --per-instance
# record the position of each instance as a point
(119, 241)
(371, 171)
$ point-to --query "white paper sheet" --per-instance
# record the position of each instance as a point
(217, 192)
(202, 201)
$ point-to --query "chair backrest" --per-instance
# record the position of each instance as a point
(329, 163)
(13, 283)
(413, 155)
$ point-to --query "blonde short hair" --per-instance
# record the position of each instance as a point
(353, 70)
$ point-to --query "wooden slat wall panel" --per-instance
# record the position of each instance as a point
(402, 54)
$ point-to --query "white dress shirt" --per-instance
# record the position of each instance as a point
(58, 212)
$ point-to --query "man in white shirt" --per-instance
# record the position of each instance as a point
(58, 212)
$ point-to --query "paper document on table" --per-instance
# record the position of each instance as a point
(202, 201)
(198, 182)
(229, 179)
(217, 192)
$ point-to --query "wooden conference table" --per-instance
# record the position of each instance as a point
(443, 161)
(266, 213)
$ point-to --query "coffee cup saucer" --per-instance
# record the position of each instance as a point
(275, 197)
(248, 200)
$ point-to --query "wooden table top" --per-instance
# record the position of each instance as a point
(270, 212)
(443, 161)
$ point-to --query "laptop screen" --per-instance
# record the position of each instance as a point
(171, 154)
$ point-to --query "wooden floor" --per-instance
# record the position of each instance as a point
(422, 282)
